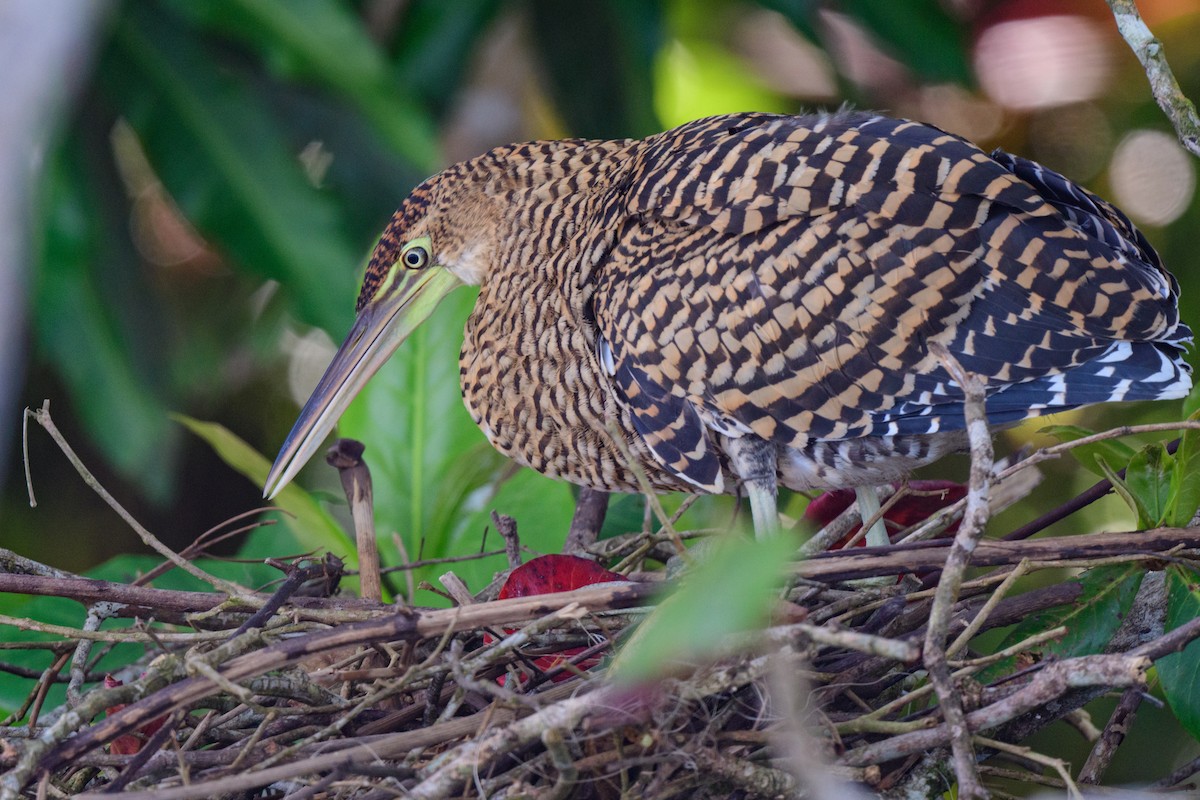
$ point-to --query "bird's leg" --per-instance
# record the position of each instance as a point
(868, 506)
(755, 462)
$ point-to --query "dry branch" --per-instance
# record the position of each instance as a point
(338, 694)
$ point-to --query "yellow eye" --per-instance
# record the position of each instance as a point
(415, 255)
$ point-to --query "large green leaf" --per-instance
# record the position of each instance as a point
(411, 418)
(1180, 672)
(226, 164)
(729, 591)
(77, 331)
(324, 42)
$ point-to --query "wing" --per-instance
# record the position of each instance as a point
(783, 276)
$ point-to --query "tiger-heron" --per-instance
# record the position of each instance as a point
(749, 300)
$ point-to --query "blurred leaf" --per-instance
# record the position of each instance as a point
(435, 475)
(1111, 450)
(1191, 403)
(323, 41)
(123, 413)
(1180, 672)
(222, 159)
(729, 590)
(599, 60)
(801, 13)
(920, 33)
(314, 528)
(1149, 478)
(696, 79)
(430, 46)
(1107, 595)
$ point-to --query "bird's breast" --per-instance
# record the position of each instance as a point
(533, 383)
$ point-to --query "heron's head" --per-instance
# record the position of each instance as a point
(439, 239)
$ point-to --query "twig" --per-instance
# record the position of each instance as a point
(96, 615)
(506, 526)
(590, 510)
(410, 625)
(346, 456)
(1056, 764)
(1149, 51)
(975, 519)
(1060, 550)
(618, 440)
(1052, 452)
(42, 417)
(452, 768)
(1110, 739)
(1049, 683)
(297, 576)
(997, 595)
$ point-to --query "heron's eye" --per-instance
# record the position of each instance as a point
(415, 257)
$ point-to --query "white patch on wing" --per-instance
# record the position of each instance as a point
(605, 354)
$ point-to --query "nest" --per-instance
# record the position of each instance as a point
(301, 693)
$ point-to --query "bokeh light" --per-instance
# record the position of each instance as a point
(1153, 179)
(1039, 62)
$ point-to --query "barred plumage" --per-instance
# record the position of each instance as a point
(762, 283)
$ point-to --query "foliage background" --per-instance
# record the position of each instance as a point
(208, 200)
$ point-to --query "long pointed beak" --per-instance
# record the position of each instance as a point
(380, 328)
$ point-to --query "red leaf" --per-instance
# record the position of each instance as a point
(129, 743)
(554, 573)
(931, 497)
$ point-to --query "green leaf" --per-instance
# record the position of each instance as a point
(1148, 477)
(226, 164)
(1123, 490)
(436, 477)
(1191, 404)
(1185, 498)
(411, 418)
(1107, 594)
(599, 60)
(1180, 672)
(730, 590)
(920, 33)
(313, 527)
(324, 41)
(1111, 450)
(78, 331)
(430, 44)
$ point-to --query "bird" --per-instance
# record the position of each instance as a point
(754, 300)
